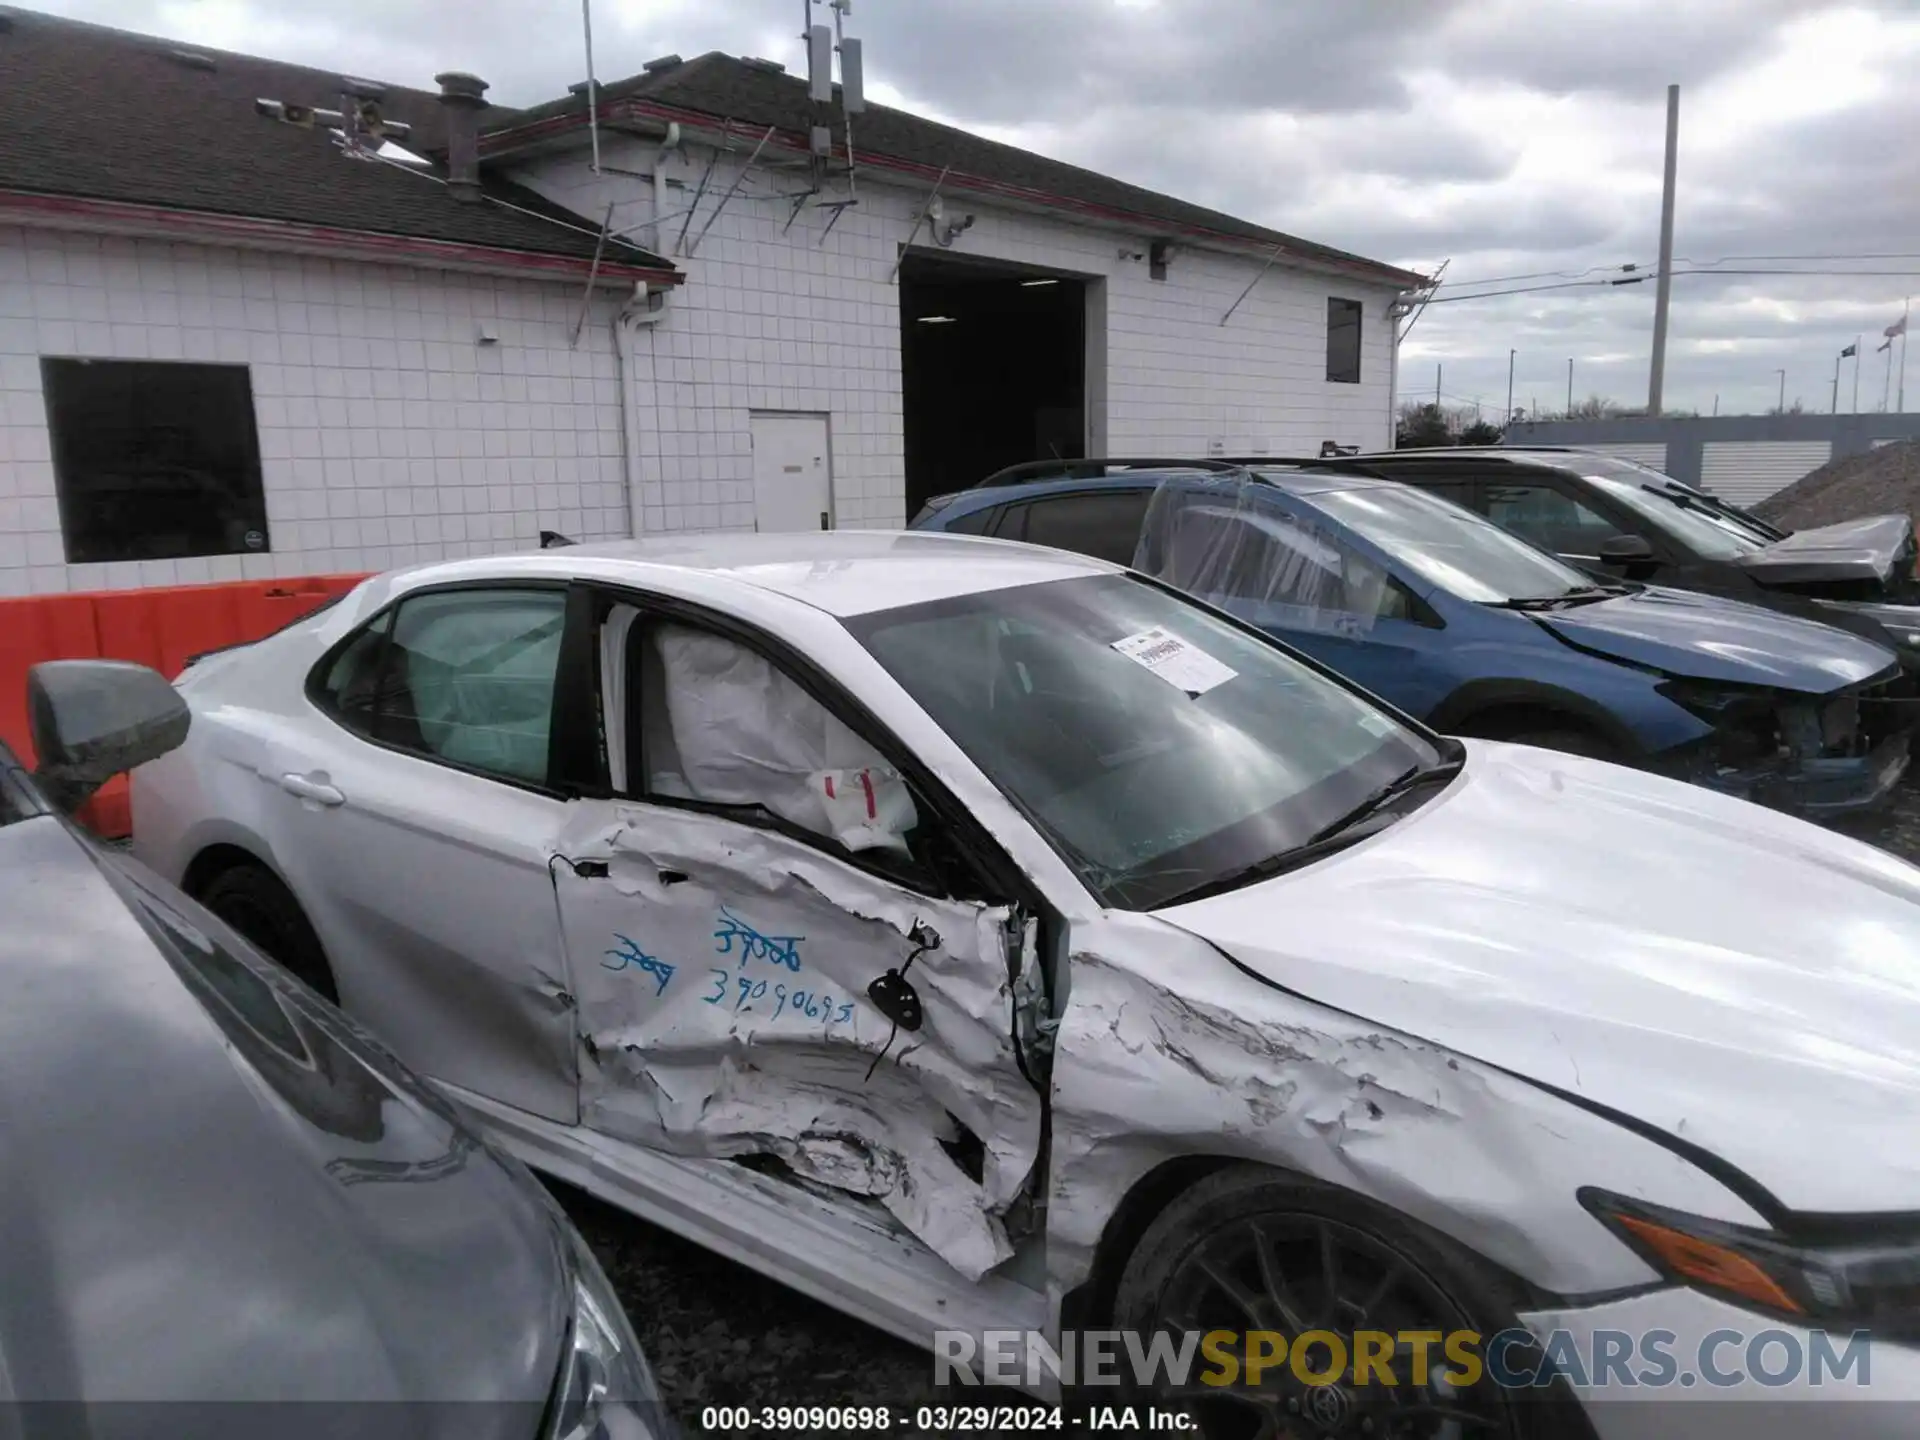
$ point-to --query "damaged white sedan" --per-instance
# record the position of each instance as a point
(985, 939)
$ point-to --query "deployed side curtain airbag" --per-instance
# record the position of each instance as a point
(740, 732)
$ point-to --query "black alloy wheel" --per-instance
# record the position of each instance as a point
(1252, 1249)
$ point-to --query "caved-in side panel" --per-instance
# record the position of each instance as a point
(1231, 1066)
(722, 975)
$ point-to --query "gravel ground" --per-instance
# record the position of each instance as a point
(720, 1334)
(1880, 482)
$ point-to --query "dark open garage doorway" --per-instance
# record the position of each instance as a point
(993, 362)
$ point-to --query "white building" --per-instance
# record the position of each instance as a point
(232, 348)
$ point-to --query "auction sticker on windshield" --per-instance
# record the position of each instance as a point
(1181, 665)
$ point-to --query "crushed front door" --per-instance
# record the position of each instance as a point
(722, 972)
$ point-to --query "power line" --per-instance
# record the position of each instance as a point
(1724, 259)
(1562, 274)
(1531, 290)
(1678, 274)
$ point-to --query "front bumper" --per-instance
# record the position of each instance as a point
(1821, 786)
(1750, 1386)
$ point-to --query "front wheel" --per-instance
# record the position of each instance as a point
(1269, 1258)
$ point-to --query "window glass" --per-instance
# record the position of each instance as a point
(1271, 567)
(1707, 534)
(154, 460)
(468, 677)
(1455, 549)
(1343, 341)
(1156, 746)
(979, 522)
(1548, 518)
(1102, 523)
(351, 686)
(722, 724)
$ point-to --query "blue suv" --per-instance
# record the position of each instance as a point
(1459, 623)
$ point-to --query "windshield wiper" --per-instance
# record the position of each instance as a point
(1413, 779)
(1581, 595)
(1349, 829)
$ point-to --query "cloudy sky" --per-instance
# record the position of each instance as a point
(1505, 137)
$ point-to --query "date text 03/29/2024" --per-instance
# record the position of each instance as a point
(943, 1419)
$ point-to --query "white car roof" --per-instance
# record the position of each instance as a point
(843, 572)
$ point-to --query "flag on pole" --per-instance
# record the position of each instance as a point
(1853, 350)
(1898, 327)
(1886, 344)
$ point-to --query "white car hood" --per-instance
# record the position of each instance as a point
(1746, 982)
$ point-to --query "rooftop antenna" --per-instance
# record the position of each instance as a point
(822, 44)
(362, 129)
(593, 86)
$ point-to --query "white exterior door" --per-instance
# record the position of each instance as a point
(792, 473)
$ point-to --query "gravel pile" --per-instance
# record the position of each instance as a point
(1880, 482)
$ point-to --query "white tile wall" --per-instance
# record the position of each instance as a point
(387, 434)
(782, 321)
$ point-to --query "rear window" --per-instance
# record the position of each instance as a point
(976, 523)
(1102, 523)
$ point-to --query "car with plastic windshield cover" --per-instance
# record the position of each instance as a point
(1624, 520)
(985, 938)
(1455, 620)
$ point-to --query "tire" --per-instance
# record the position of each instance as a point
(253, 901)
(1246, 1250)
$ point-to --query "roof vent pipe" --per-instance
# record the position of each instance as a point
(462, 96)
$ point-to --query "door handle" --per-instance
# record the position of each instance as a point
(317, 791)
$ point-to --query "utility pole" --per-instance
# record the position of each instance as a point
(1716, 404)
(1906, 312)
(1657, 376)
(1836, 383)
(1782, 409)
(1436, 386)
(1569, 387)
(1510, 355)
(1856, 372)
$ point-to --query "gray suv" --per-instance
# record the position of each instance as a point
(225, 1208)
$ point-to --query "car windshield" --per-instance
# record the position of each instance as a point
(1704, 531)
(1159, 747)
(1450, 546)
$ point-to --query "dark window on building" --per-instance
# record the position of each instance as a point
(1102, 523)
(154, 460)
(1343, 341)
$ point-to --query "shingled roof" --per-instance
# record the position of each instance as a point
(754, 95)
(91, 114)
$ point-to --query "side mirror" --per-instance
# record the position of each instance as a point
(1626, 550)
(94, 719)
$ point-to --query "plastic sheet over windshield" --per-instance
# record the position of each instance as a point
(1156, 745)
(1311, 561)
(1450, 546)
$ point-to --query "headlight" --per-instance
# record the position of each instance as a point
(1860, 1281)
(605, 1390)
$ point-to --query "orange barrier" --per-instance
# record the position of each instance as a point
(162, 626)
